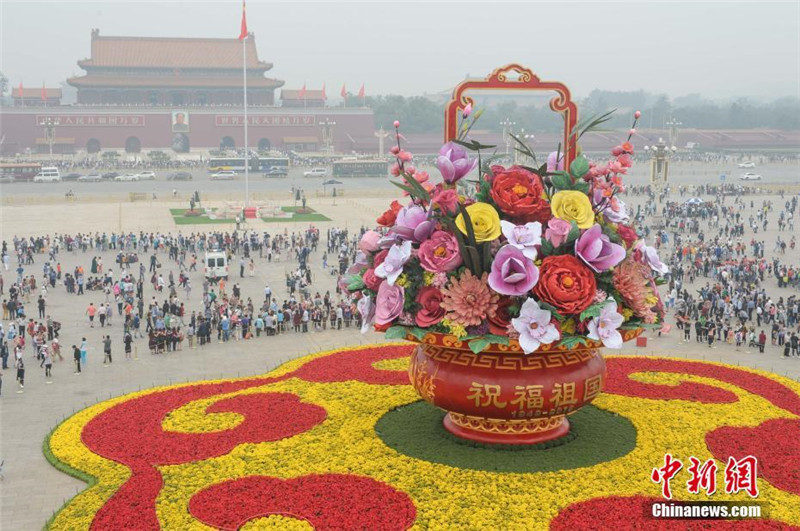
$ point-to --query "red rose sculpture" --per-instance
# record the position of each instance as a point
(431, 311)
(518, 192)
(388, 218)
(566, 283)
(498, 323)
(372, 281)
(628, 235)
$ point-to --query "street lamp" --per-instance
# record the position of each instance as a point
(660, 153)
(527, 138)
(327, 134)
(508, 127)
(673, 125)
(381, 135)
(50, 124)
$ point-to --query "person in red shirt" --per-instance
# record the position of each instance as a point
(91, 311)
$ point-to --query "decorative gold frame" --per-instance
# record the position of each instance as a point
(498, 80)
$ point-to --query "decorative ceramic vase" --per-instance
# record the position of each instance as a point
(502, 396)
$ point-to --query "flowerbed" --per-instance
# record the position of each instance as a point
(303, 442)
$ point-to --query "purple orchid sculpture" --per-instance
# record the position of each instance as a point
(512, 272)
(413, 223)
(454, 163)
(651, 258)
(597, 251)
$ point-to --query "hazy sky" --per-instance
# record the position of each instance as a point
(721, 49)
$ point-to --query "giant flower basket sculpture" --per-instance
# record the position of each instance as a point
(513, 281)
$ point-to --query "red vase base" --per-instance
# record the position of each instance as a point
(488, 431)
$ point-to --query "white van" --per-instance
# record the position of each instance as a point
(216, 264)
(48, 174)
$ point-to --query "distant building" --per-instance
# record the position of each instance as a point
(301, 98)
(166, 71)
(142, 93)
(36, 96)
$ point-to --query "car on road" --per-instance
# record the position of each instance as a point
(71, 176)
(91, 178)
(179, 176)
(48, 174)
(110, 175)
(128, 177)
(225, 175)
(750, 176)
(277, 171)
(147, 176)
(747, 164)
(316, 172)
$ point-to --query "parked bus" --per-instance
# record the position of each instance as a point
(19, 171)
(360, 168)
(236, 164)
(257, 164)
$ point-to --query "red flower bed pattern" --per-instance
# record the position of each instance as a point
(620, 368)
(131, 433)
(356, 365)
(776, 444)
(330, 501)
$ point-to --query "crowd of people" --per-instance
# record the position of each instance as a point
(146, 291)
(726, 284)
(714, 246)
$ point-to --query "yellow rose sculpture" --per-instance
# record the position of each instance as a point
(485, 222)
(573, 205)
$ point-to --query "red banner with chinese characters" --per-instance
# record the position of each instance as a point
(109, 120)
(222, 120)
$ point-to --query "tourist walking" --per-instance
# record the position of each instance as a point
(76, 355)
(107, 350)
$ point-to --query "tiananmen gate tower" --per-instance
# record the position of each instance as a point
(184, 94)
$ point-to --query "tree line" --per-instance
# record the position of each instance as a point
(420, 114)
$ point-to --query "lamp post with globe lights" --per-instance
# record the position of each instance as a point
(50, 125)
(528, 138)
(660, 154)
(673, 125)
(327, 134)
(508, 128)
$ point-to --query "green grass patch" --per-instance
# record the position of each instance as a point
(596, 436)
(181, 219)
(299, 214)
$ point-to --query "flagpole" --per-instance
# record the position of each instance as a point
(244, 91)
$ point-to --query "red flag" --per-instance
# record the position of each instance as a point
(324, 96)
(302, 94)
(344, 91)
(361, 93)
(44, 92)
(243, 32)
(20, 89)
